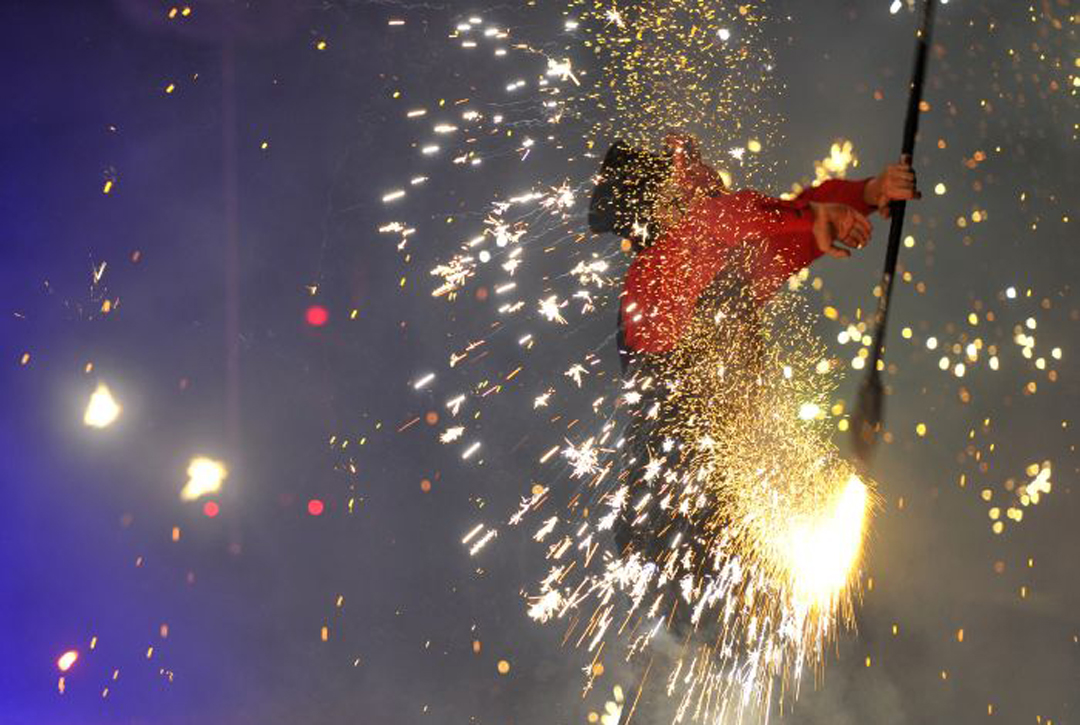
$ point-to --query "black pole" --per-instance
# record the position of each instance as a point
(869, 407)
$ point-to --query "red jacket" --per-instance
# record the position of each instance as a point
(665, 280)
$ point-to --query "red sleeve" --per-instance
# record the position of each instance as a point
(839, 191)
(666, 279)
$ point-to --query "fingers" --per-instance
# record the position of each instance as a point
(900, 183)
(854, 230)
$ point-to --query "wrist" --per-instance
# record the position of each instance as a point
(871, 191)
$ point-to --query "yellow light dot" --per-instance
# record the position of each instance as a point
(321, 45)
(920, 429)
(906, 333)
(108, 186)
(264, 145)
(753, 145)
(831, 313)
(170, 88)
(503, 667)
(324, 633)
(939, 188)
(960, 635)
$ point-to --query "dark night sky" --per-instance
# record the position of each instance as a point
(85, 535)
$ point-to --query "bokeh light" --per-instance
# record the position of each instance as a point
(317, 315)
(102, 410)
(67, 660)
(205, 477)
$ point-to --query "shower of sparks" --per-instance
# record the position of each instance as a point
(761, 522)
(748, 525)
(760, 525)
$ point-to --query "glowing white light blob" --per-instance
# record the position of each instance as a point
(205, 476)
(822, 552)
(102, 410)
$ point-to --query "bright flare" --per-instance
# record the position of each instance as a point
(822, 552)
(102, 410)
(205, 477)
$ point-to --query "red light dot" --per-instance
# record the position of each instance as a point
(317, 316)
(211, 509)
(315, 507)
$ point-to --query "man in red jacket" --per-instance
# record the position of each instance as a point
(692, 246)
(701, 245)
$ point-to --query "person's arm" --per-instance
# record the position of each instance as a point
(896, 182)
(842, 191)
